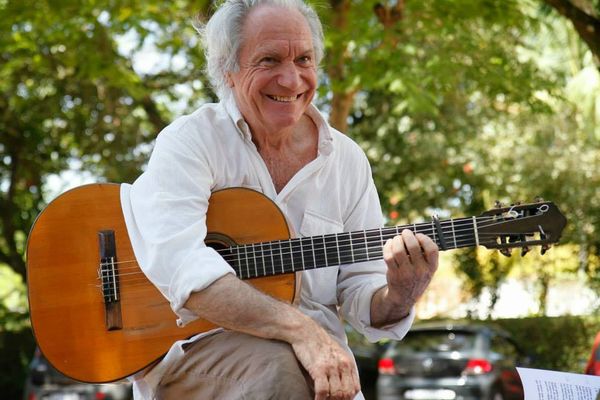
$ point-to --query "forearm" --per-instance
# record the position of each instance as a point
(236, 305)
(386, 310)
(233, 304)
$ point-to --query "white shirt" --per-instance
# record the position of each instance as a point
(212, 149)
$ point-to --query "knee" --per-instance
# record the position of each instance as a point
(281, 375)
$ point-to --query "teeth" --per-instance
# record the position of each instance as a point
(283, 98)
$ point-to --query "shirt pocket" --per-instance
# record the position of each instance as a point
(319, 285)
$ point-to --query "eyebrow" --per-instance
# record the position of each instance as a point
(270, 51)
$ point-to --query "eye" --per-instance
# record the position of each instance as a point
(304, 60)
(267, 60)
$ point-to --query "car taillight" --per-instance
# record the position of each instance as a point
(386, 366)
(477, 366)
(100, 396)
(31, 396)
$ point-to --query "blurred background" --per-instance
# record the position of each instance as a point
(457, 103)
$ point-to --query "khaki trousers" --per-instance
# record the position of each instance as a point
(231, 365)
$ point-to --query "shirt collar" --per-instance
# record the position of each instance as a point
(325, 137)
(236, 116)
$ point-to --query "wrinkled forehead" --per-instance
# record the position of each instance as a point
(270, 23)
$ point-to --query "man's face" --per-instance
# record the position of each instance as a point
(277, 76)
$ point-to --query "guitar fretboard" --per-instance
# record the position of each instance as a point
(301, 254)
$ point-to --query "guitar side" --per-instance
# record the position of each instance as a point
(67, 307)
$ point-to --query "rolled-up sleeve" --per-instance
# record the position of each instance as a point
(357, 283)
(165, 213)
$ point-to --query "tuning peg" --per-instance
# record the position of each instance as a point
(539, 199)
(518, 203)
(498, 204)
(525, 250)
(545, 248)
(506, 252)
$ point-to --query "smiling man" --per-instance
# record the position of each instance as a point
(265, 135)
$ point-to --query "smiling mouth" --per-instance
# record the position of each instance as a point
(284, 99)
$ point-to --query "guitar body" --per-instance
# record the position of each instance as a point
(67, 307)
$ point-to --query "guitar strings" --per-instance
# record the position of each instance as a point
(370, 234)
(140, 279)
(361, 250)
(358, 246)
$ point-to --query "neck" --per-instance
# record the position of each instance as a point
(286, 256)
(292, 138)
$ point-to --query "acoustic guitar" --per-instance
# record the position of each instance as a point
(97, 318)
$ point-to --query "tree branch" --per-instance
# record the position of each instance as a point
(586, 25)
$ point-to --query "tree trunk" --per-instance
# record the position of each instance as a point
(341, 106)
(585, 22)
(342, 100)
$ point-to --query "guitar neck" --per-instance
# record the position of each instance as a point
(292, 255)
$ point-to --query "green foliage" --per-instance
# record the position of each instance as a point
(16, 349)
(74, 96)
(472, 105)
(14, 315)
(561, 343)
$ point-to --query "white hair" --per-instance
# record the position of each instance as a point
(222, 37)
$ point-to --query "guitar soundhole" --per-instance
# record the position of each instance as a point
(216, 245)
(218, 241)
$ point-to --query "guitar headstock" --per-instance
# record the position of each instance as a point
(521, 225)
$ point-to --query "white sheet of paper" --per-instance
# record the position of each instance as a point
(540, 384)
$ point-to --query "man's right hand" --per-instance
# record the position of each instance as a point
(330, 366)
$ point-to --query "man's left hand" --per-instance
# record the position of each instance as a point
(412, 259)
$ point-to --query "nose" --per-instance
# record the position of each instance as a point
(289, 76)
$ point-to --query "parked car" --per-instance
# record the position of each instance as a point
(451, 362)
(44, 382)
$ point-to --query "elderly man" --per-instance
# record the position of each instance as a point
(265, 134)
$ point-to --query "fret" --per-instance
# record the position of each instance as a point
(235, 263)
(366, 244)
(331, 249)
(254, 258)
(287, 261)
(475, 232)
(239, 261)
(320, 252)
(247, 261)
(312, 247)
(297, 254)
(337, 246)
(277, 262)
(373, 243)
(351, 247)
(267, 258)
(381, 237)
(453, 232)
(308, 255)
(345, 248)
(272, 259)
(358, 247)
(261, 258)
(433, 231)
(415, 229)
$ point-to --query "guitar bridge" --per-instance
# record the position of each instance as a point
(109, 277)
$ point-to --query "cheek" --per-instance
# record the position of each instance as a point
(311, 78)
